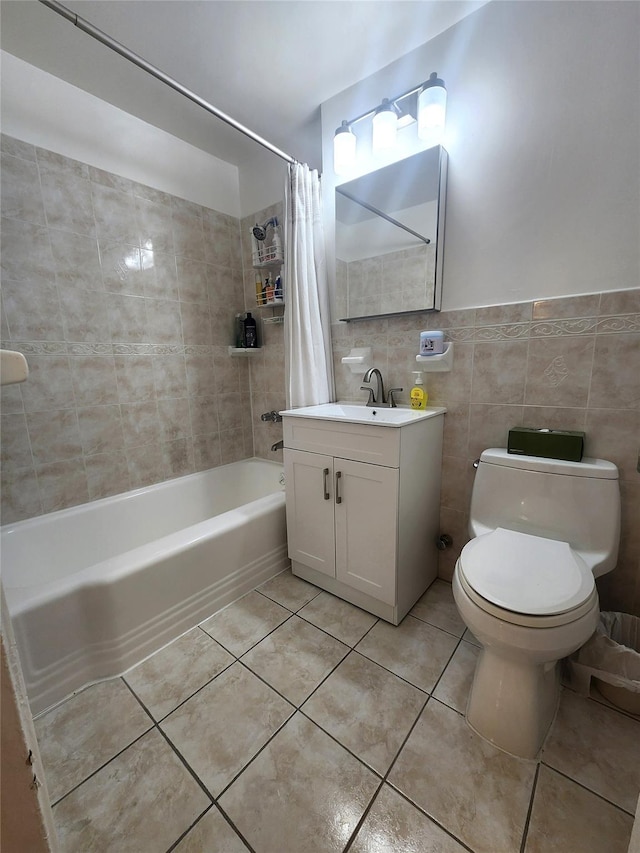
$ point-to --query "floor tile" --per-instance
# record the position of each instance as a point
(413, 650)
(598, 747)
(245, 622)
(289, 591)
(342, 620)
(455, 685)
(223, 726)
(438, 608)
(87, 730)
(565, 817)
(478, 793)
(393, 824)
(211, 833)
(295, 658)
(367, 709)
(143, 800)
(306, 792)
(174, 673)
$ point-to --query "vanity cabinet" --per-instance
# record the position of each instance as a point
(362, 508)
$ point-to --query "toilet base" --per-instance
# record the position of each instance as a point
(512, 705)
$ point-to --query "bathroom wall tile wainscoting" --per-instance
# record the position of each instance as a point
(294, 721)
(569, 363)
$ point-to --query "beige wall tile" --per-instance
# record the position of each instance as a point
(615, 381)
(94, 380)
(20, 194)
(499, 372)
(62, 484)
(20, 495)
(107, 474)
(559, 371)
(54, 435)
(566, 307)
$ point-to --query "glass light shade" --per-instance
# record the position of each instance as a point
(385, 125)
(432, 109)
(344, 149)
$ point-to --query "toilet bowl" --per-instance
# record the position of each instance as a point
(525, 628)
(524, 585)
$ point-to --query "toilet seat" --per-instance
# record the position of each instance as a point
(534, 579)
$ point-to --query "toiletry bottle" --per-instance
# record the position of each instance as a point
(238, 333)
(270, 289)
(277, 293)
(259, 292)
(250, 331)
(418, 395)
(277, 242)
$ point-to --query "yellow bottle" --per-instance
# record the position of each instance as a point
(418, 395)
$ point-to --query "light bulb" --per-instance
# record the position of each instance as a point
(432, 108)
(344, 149)
(385, 124)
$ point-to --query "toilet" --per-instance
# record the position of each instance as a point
(542, 531)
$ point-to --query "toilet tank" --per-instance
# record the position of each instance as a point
(575, 502)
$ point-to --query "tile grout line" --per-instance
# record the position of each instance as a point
(525, 829)
(586, 788)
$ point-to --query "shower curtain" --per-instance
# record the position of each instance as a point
(307, 337)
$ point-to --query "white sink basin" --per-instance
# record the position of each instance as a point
(355, 414)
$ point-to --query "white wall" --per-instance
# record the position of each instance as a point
(543, 130)
(262, 181)
(43, 110)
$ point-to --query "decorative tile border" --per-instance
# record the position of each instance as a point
(71, 348)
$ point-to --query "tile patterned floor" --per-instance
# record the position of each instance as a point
(292, 722)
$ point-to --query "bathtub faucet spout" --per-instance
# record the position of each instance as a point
(277, 446)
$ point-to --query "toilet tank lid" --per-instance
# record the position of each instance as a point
(597, 468)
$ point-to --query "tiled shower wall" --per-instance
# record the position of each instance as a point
(123, 299)
(570, 363)
(266, 368)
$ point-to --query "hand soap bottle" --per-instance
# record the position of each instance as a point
(418, 395)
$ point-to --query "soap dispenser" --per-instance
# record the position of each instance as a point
(418, 394)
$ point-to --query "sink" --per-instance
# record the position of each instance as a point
(361, 414)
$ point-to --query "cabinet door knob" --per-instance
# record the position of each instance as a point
(325, 479)
(338, 497)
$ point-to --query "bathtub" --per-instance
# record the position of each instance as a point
(94, 589)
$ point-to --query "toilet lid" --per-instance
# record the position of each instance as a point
(526, 574)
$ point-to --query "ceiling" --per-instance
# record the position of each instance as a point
(267, 63)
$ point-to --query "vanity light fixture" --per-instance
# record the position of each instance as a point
(424, 105)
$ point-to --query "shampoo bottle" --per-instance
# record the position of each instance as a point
(418, 395)
(250, 331)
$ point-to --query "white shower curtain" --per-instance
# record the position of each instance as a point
(307, 337)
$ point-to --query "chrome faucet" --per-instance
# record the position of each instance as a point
(378, 399)
(277, 446)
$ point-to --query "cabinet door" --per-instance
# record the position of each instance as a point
(310, 523)
(367, 527)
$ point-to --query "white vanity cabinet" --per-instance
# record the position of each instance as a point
(363, 506)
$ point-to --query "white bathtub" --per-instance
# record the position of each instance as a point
(94, 589)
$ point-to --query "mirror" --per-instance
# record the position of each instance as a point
(389, 238)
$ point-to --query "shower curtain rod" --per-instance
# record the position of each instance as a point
(109, 42)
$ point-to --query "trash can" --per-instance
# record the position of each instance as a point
(612, 657)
